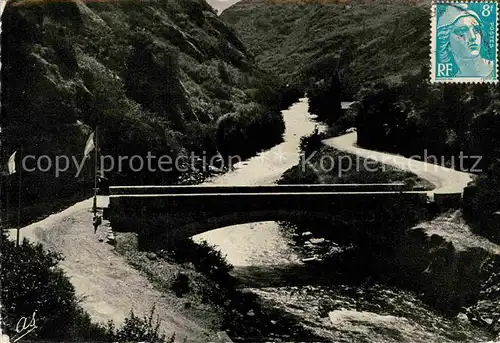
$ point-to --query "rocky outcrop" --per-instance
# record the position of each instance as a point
(486, 311)
(445, 262)
(363, 321)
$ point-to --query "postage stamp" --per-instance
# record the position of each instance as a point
(464, 41)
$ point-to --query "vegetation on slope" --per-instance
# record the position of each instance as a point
(165, 77)
(198, 277)
(320, 164)
(338, 44)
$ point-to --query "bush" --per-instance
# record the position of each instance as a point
(32, 283)
(136, 329)
(310, 144)
(249, 130)
(298, 175)
(204, 257)
(180, 286)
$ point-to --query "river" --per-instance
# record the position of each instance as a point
(264, 253)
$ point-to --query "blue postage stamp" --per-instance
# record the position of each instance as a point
(464, 42)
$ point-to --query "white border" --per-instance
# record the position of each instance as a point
(434, 45)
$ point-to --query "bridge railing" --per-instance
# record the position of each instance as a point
(316, 188)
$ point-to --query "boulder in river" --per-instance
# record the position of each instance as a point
(311, 259)
(362, 321)
(462, 317)
(317, 240)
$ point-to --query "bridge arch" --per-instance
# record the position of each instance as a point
(177, 213)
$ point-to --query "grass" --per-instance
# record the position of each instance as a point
(331, 166)
(163, 273)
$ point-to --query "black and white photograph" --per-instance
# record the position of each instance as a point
(249, 171)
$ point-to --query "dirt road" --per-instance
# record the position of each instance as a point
(111, 287)
(445, 180)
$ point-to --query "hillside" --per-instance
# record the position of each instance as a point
(166, 77)
(308, 40)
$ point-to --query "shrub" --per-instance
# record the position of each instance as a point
(310, 144)
(210, 261)
(146, 329)
(249, 130)
(180, 286)
(299, 175)
(33, 283)
(204, 257)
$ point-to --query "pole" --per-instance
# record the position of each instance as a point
(7, 217)
(94, 206)
(19, 198)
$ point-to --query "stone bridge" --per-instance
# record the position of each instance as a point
(167, 213)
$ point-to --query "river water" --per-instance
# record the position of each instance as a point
(267, 257)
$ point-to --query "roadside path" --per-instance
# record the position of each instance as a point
(445, 180)
(109, 285)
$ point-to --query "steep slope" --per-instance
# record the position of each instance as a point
(362, 40)
(155, 76)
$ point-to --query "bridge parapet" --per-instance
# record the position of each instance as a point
(188, 189)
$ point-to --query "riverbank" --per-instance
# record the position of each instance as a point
(285, 273)
(329, 165)
(440, 261)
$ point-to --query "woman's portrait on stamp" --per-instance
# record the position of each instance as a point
(465, 41)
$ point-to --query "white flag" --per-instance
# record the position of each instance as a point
(89, 146)
(2, 6)
(11, 164)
